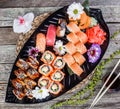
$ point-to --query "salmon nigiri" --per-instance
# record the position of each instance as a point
(51, 35)
(40, 42)
(76, 69)
(70, 47)
(68, 59)
(82, 37)
(72, 27)
(79, 58)
(81, 47)
(72, 38)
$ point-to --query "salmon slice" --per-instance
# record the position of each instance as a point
(68, 59)
(72, 27)
(70, 47)
(82, 37)
(40, 42)
(51, 35)
(72, 38)
(79, 58)
(81, 47)
(76, 69)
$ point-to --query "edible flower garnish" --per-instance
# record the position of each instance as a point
(59, 48)
(94, 53)
(96, 35)
(40, 93)
(23, 24)
(74, 11)
(33, 52)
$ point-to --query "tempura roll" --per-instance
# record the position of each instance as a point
(58, 63)
(57, 75)
(48, 57)
(45, 69)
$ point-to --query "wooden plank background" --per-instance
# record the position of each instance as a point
(10, 9)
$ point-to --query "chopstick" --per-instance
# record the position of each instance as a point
(100, 92)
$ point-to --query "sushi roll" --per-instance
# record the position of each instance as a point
(19, 94)
(72, 27)
(18, 84)
(22, 64)
(28, 93)
(79, 58)
(58, 63)
(44, 81)
(72, 38)
(76, 69)
(55, 88)
(40, 42)
(30, 84)
(82, 37)
(20, 74)
(68, 59)
(57, 75)
(32, 62)
(45, 69)
(32, 73)
(70, 48)
(81, 48)
(47, 57)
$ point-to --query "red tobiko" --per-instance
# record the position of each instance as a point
(96, 35)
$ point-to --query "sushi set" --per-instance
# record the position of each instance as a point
(62, 51)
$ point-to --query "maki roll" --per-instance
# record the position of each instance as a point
(57, 75)
(55, 88)
(45, 69)
(32, 73)
(48, 57)
(58, 63)
(44, 81)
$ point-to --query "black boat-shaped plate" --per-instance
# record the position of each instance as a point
(70, 80)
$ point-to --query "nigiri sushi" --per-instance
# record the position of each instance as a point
(32, 73)
(40, 42)
(55, 88)
(70, 48)
(51, 35)
(48, 57)
(45, 69)
(81, 47)
(44, 81)
(19, 94)
(82, 37)
(76, 69)
(72, 38)
(58, 63)
(57, 75)
(72, 27)
(79, 58)
(68, 59)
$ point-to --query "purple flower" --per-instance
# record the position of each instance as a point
(33, 52)
(94, 53)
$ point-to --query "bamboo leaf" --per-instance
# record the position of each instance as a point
(86, 6)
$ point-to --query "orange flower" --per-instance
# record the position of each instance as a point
(96, 35)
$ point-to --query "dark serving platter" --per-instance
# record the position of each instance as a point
(70, 80)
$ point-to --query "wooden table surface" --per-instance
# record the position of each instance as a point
(10, 9)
